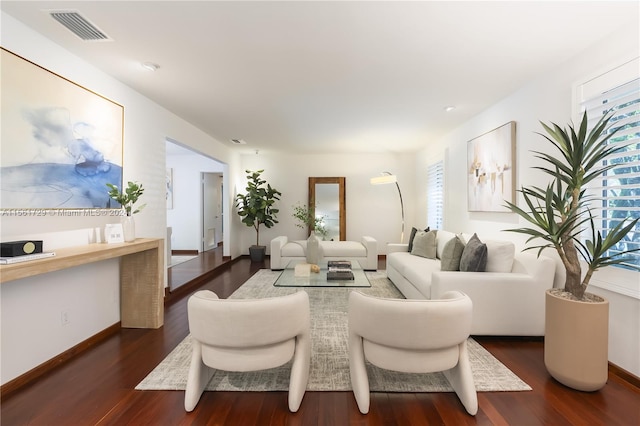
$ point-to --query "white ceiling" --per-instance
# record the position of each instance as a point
(329, 76)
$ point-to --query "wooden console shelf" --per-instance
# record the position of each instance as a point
(141, 275)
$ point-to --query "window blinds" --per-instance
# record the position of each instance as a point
(435, 194)
(617, 194)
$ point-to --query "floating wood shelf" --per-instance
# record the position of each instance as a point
(141, 275)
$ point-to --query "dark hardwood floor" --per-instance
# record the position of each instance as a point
(97, 386)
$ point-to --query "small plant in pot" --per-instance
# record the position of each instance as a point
(576, 322)
(256, 207)
(306, 219)
(127, 199)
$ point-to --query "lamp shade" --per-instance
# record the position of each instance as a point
(383, 180)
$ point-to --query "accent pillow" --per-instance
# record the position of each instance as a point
(413, 235)
(474, 256)
(451, 254)
(424, 244)
(500, 256)
(443, 238)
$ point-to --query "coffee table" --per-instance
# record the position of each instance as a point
(288, 278)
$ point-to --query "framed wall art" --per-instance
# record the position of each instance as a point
(491, 169)
(61, 143)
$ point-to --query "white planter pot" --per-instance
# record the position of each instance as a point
(128, 228)
(576, 342)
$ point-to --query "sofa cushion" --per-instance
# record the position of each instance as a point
(500, 255)
(294, 249)
(474, 256)
(418, 270)
(451, 254)
(413, 235)
(343, 249)
(443, 238)
(424, 244)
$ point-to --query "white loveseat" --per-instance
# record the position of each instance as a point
(366, 251)
(510, 302)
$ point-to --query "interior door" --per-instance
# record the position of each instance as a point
(211, 210)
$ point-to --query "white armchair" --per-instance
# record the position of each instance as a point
(248, 335)
(411, 336)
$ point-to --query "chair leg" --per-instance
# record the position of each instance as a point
(461, 379)
(299, 372)
(199, 376)
(358, 373)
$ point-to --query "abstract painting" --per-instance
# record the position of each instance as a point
(169, 182)
(61, 143)
(490, 169)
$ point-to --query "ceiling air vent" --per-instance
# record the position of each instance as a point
(79, 25)
(238, 141)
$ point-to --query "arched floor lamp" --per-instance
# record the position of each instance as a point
(387, 178)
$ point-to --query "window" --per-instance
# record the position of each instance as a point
(435, 194)
(617, 194)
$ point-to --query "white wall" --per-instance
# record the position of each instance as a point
(185, 218)
(32, 306)
(371, 210)
(549, 98)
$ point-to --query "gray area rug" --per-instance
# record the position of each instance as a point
(330, 361)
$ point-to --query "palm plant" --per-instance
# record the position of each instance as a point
(561, 211)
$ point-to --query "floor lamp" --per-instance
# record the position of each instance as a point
(387, 178)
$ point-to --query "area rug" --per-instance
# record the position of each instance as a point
(330, 359)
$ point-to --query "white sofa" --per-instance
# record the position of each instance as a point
(509, 303)
(366, 251)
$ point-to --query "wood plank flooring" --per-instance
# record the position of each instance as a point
(97, 386)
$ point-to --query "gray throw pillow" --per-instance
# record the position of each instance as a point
(424, 244)
(474, 256)
(451, 255)
(414, 230)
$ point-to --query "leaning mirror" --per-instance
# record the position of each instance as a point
(327, 201)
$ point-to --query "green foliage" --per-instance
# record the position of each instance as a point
(307, 219)
(560, 212)
(256, 206)
(127, 198)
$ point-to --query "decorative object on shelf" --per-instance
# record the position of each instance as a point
(114, 233)
(127, 199)
(67, 140)
(306, 219)
(20, 248)
(314, 253)
(576, 347)
(385, 179)
(491, 170)
(256, 207)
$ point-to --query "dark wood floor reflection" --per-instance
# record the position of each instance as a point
(97, 386)
(199, 269)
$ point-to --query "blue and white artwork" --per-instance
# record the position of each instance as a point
(61, 143)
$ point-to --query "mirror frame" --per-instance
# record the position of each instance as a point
(313, 181)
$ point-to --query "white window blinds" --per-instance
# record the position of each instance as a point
(435, 194)
(617, 193)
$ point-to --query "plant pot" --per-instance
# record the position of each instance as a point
(576, 342)
(128, 228)
(257, 253)
(313, 249)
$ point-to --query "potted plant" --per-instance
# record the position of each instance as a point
(256, 207)
(576, 330)
(306, 219)
(127, 199)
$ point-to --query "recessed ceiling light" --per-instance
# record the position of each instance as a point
(449, 108)
(150, 66)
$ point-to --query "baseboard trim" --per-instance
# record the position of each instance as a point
(185, 252)
(624, 375)
(37, 372)
(188, 287)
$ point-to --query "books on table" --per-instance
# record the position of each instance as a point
(25, 258)
(339, 270)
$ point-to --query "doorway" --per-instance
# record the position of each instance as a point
(212, 213)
